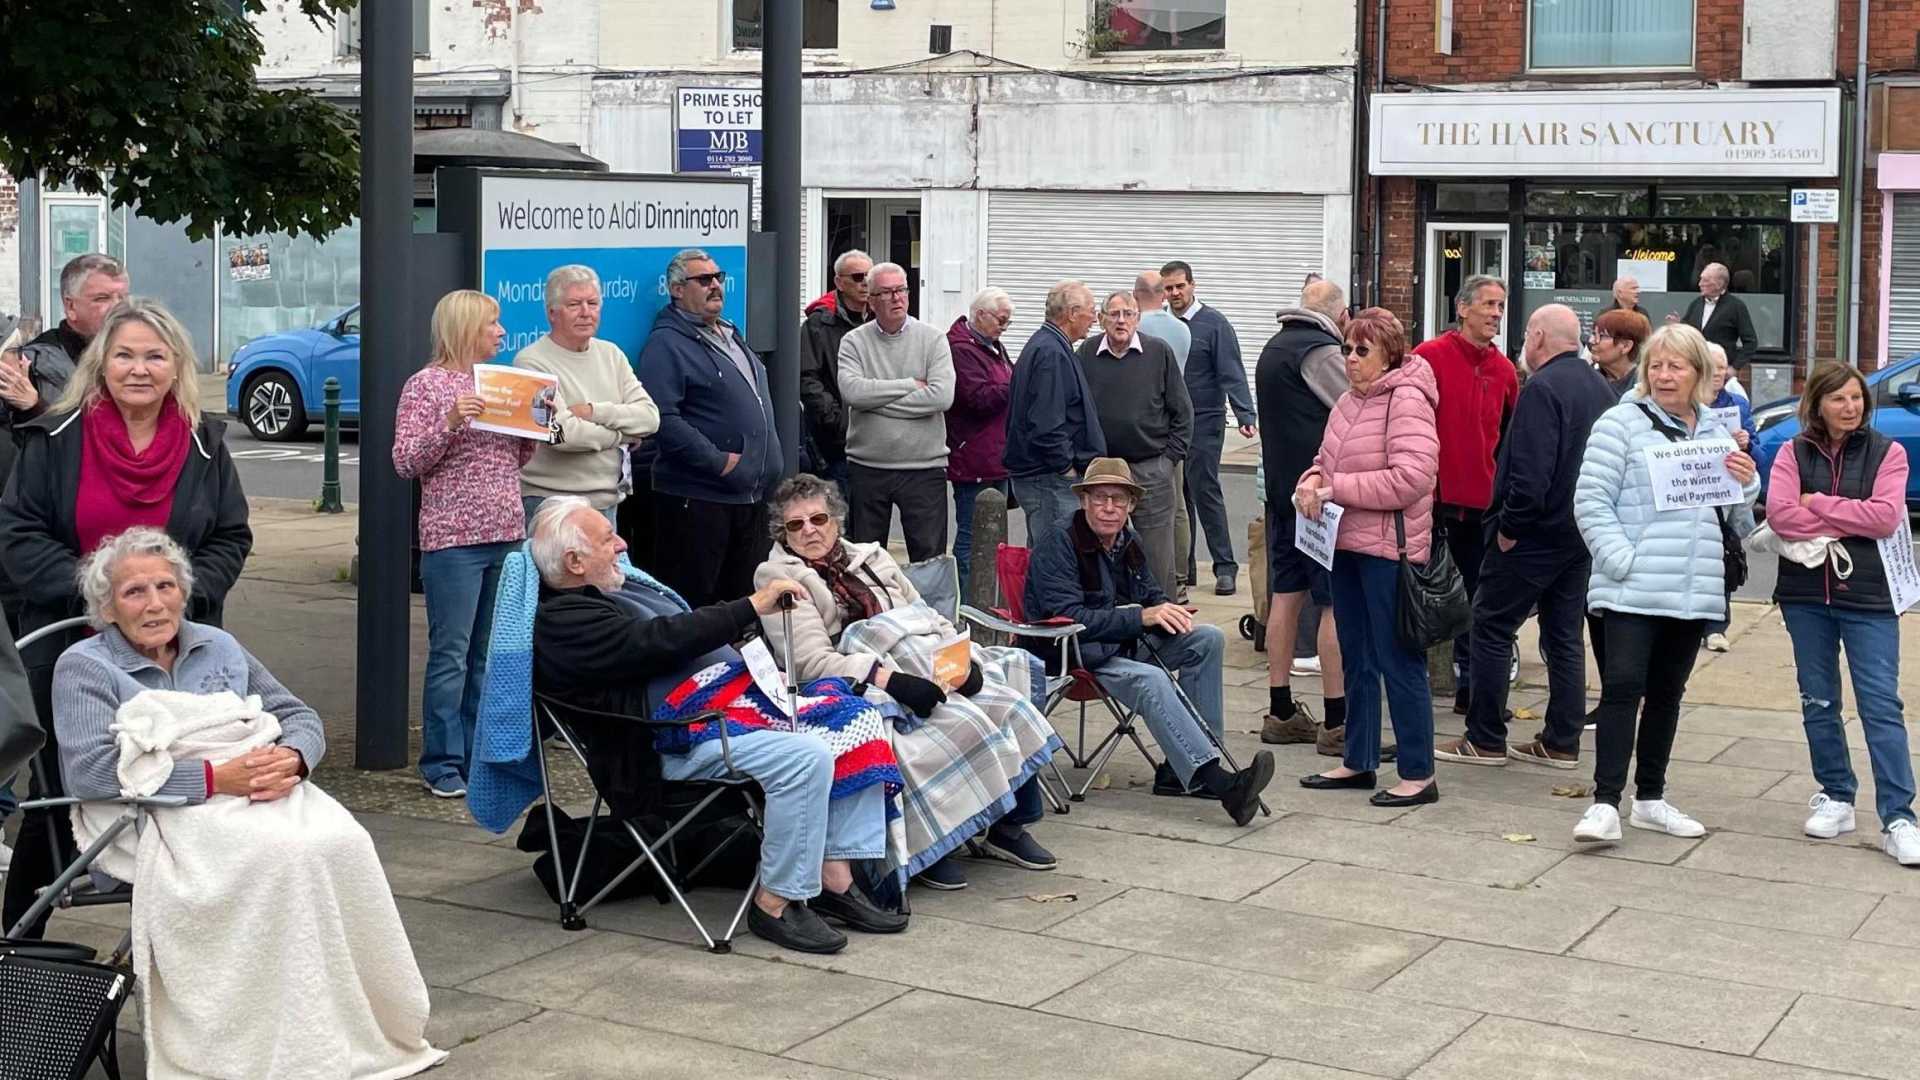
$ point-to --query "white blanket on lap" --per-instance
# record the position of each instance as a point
(265, 939)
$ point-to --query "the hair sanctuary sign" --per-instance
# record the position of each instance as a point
(1597, 133)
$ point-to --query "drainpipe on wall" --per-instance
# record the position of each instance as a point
(1362, 132)
(1379, 189)
(1859, 182)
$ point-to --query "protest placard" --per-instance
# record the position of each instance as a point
(520, 402)
(1903, 577)
(1692, 473)
(1727, 419)
(953, 661)
(1315, 538)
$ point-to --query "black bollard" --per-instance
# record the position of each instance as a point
(329, 500)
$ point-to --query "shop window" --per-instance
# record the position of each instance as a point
(1576, 263)
(1157, 25)
(271, 283)
(1573, 35)
(820, 20)
(1710, 203)
(1587, 202)
(1470, 199)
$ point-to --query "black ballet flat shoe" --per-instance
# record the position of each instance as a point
(1428, 794)
(1361, 781)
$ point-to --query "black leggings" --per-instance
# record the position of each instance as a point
(1648, 658)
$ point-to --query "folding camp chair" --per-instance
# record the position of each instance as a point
(552, 717)
(1077, 682)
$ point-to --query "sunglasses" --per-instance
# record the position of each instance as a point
(856, 278)
(718, 277)
(1349, 349)
(818, 521)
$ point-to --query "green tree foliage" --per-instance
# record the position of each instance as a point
(155, 101)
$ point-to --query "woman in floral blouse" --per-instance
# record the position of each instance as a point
(470, 519)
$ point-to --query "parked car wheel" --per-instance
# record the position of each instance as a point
(271, 408)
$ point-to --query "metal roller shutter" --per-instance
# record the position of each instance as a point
(1250, 253)
(1903, 280)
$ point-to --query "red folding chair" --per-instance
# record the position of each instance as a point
(1076, 682)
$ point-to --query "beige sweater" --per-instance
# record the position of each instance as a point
(587, 460)
(816, 624)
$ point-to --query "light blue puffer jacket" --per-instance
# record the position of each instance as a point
(1667, 563)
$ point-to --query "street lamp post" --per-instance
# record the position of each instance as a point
(780, 208)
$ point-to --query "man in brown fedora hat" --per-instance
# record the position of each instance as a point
(1095, 572)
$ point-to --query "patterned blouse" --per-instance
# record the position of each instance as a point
(469, 480)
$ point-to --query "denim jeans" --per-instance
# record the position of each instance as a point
(1872, 641)
(803, 824)
(1366, 599)
(459, 583)
(964, 494)
(1049, 503)
(1143, 687)
(531, 504)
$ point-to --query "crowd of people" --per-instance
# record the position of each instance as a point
(651, 538)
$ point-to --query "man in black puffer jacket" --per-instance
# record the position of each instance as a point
(827, 321)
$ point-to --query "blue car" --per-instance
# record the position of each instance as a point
(274, 384)
(1895, 390)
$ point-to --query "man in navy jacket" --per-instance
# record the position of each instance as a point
(1535, 556)
(1053, 430)
(1215, 378)
(719, 454)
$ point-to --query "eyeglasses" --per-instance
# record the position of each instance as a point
(1600, 336)
(718, 277)
(1123, 315)
(856, 278)
(890, 293)
(818, 521)
(1003, 320)
(1348, 348)
(1110, 498)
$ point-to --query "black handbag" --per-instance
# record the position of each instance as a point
(1433, 605)
(1733, 552)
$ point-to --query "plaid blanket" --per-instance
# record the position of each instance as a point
(962, 766)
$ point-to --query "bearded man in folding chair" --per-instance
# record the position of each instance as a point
(1095, 572)
(608, 637)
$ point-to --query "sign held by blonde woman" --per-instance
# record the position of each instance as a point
(519, 401)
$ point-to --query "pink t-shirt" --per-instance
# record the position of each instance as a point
(469, 480)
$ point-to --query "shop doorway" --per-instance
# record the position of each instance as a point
(1456, 252)
(74, 225)
(887, 228)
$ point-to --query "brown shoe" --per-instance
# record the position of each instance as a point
(1298, 728)
(1333, 743)
(1539, 753)
(1463, 752)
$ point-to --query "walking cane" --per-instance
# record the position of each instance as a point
(793, 679)
(1181, 693)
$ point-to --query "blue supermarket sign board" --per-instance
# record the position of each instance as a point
(627, 228)
(716, 128)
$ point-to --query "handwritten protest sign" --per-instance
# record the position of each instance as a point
(953, 662)
(766, 675)
(520, 402)
(1727, 419)
(1315, 538)
(1692, 473)
(1903, 577)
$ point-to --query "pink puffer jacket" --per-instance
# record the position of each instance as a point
(1381, 453)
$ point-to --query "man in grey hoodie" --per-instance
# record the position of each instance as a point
(896, 379)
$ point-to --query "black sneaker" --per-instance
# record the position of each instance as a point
(1242, 800)
(856, 911)
(1018, 848)
(797, 928)
(944, 875)
(1167, 782)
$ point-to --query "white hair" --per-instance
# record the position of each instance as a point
(565, 277)
(886, 268)
(1719, 353)
(1065, 297)
(552, 535)
(847, 256)
(989, 301)
(95, 577)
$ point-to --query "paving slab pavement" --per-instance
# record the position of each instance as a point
(1467, 940)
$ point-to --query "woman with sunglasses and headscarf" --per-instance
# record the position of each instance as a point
(970, 753)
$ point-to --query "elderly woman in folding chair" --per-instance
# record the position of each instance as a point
(1095, 573)
(609, 638)
(972, 752)
(265, 939)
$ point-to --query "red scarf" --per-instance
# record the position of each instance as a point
(119, 487)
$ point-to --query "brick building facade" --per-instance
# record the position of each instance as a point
(1559, 227)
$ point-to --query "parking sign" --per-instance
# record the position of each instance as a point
(1816, 206)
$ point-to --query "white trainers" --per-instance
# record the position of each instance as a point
(1599, 825)
(1830, 817)
(6, 857)
(1304, 666)
(1717, 643)
(1903, 842)
(1660, 816)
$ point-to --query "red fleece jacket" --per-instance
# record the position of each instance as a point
(1478, 388)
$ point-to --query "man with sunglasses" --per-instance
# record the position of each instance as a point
(719, 453)
(896, 377)
(827, 322)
